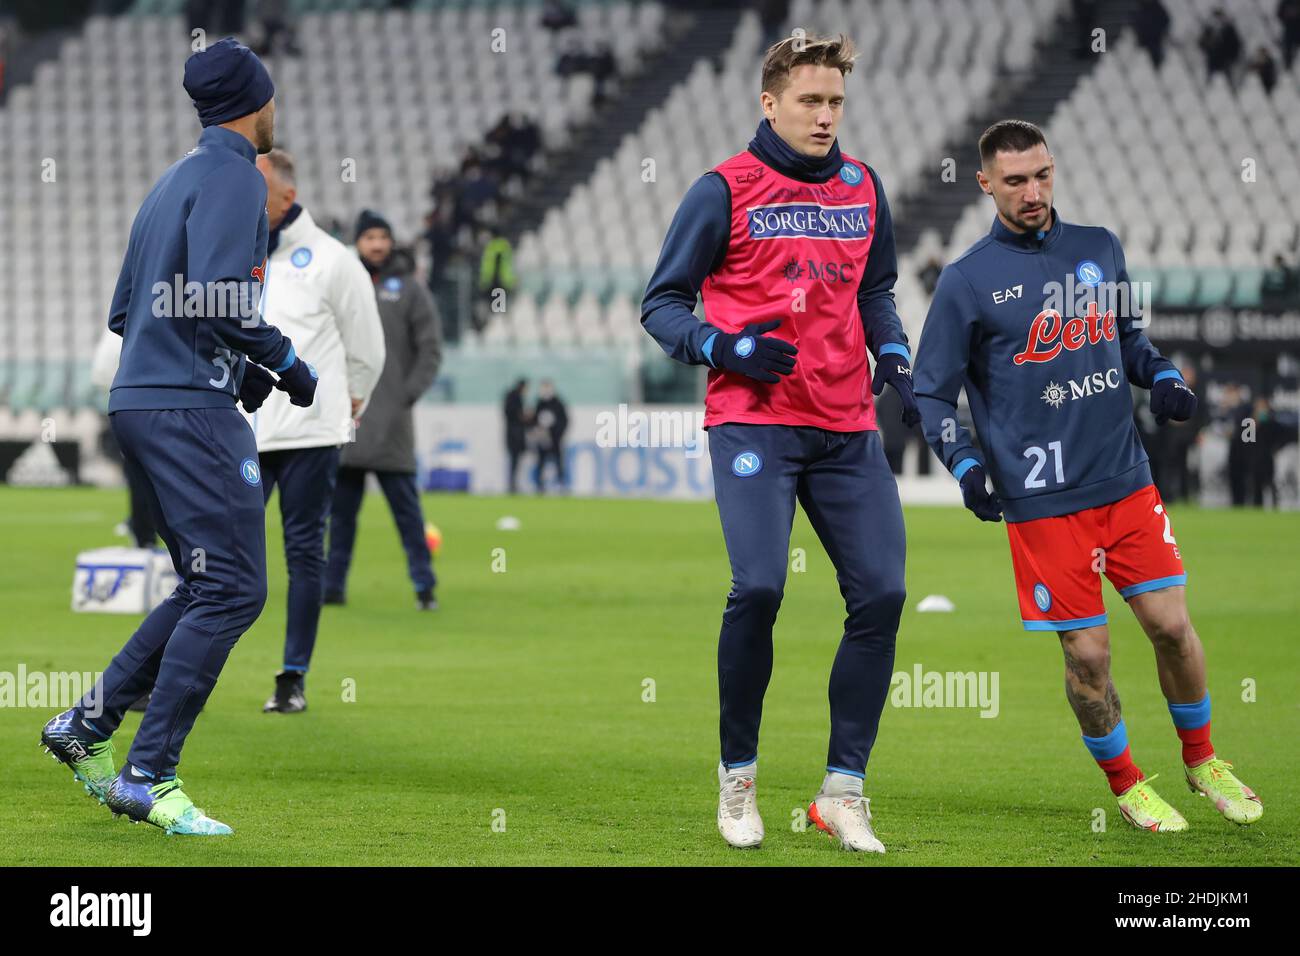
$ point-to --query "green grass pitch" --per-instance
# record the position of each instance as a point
(521, 701)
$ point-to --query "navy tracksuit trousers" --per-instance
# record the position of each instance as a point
(198, 470)
(846, 488)
(306, 480)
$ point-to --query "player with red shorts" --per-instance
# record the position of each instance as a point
(1048, 375)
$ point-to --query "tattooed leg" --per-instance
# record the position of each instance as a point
(1088, 687)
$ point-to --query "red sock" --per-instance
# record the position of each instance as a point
(1121, 772)
(1196, 744)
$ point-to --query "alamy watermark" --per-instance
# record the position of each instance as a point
(922, 688)
(54, 689)
(625, 428)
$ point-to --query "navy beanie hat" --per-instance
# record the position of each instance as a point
(227, 81)
(369, 219)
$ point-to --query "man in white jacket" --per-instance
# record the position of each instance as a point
(318, 293)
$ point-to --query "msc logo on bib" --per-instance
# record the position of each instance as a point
(745, 464)
(301, 257)
(1042, 597)
(249, 471)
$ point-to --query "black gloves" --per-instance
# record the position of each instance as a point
(255, 387)
(897, 371)
(750, 352)
(975, 496)
(299, 380)
(1171, 398)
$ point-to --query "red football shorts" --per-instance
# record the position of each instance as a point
(1059, 561)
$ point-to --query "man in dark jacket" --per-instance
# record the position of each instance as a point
(517, 421)
(385, 440)
(552, 418)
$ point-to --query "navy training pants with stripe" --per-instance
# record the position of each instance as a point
(199, 470)
(844, 483)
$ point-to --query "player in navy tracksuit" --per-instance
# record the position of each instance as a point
(193, 343)
(1038, 322)
(791, 246)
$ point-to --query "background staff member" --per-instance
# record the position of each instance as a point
(386, 445)
(318, 293)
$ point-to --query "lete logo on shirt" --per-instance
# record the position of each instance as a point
(1049, 334)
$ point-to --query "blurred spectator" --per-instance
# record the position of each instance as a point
(1281, 285)
(599, 62)
(517, 421)
(551, 419)
(496, 271)
(1288, 11)
(218, 17)
(277, 30)
(929, 274)
(771, 17)
(1264, 66)
(1084, 13)
(4, 55)
(1240, 452)
(557, 15)
(1152, 26)
(468, 206)
(1221, 44)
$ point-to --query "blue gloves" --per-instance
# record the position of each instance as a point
(897, 371)
(1171, 398)
(255, 387)
(751, 352)
(986, 507)
(299, 380)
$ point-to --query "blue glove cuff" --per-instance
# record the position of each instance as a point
(894, 348)
(963, 466)
(707, 350)
(288, 360)
(1167, 373)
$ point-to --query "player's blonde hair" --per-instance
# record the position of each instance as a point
(799, 50)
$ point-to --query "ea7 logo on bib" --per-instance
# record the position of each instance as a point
(746, 463)
(809, 220)
(250, 472)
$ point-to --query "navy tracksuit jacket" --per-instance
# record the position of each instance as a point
(1020, 320)
(186, 308)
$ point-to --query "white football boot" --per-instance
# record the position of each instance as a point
(738, 819)
(843, 813)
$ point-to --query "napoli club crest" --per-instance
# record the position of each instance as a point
(1042, 597)
(746, 463)
(301, 257)
(850, 174)
(250, 472)
(1088, 272)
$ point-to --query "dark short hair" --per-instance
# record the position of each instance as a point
(1009, 136)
